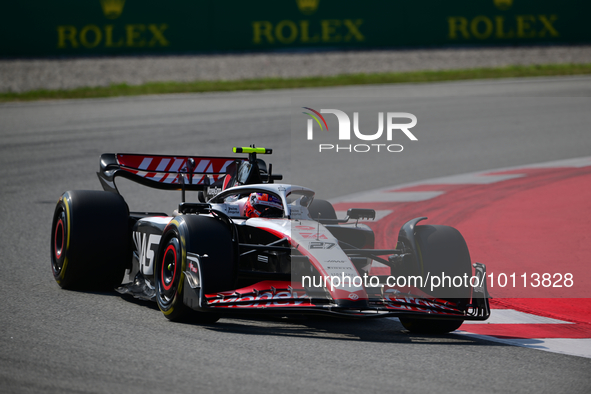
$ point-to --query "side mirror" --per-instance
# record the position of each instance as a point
(359, 213)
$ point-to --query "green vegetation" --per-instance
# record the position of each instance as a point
(310, 82)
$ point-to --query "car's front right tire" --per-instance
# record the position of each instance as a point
(205, 236)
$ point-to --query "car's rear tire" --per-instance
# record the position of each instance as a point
(321, 209)
(90, 240)
(441, 249)
(203, 236)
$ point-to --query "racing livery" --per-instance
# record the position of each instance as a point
(252, 245)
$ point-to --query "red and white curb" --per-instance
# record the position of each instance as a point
(544, 194)
(507, 317)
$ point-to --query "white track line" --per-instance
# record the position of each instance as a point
(385, 196)
(580, 347)
(475, 179)
(578, 162)
(511, 316)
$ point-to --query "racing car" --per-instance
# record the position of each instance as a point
(250, 244)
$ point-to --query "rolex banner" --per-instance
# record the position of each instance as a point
(118, 27)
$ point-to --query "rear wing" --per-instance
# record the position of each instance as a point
(164, 172)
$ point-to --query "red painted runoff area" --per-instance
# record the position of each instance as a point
(531, 222)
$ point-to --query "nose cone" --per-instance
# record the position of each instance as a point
(352, 304)
(348, 299)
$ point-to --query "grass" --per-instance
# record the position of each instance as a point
(309, 82)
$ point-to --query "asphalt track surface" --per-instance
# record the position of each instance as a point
(53, 340)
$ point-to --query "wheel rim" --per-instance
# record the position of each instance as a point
(167, 282)
(59, 243)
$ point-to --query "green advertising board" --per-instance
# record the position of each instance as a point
(119, 27)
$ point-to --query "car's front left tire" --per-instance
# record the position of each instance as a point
(442, 250)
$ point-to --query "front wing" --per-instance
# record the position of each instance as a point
(286, 297)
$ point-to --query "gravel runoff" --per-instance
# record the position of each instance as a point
(22, 75)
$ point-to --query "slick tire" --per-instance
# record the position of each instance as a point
(441, 250)
(203, 236)
(90, 240)
(321, 209)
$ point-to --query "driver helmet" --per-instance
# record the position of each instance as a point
(263, 204)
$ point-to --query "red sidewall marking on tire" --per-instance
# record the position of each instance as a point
(169, 286)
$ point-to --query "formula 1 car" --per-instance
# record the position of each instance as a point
(250, 245)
